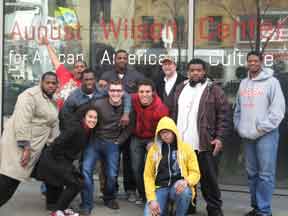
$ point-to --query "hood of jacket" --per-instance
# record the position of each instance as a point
(264, 74)
(168, 124)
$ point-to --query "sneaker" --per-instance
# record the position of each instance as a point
(57, 213)
(122, 195)
(132, 197)
(251, 213)
(112, 204)
(83, 211)
(139, 201)
(70, 212)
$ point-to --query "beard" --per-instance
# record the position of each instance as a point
(49, 95)
(193, 83)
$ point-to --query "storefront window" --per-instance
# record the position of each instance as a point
(26, 22)
(225, 31)
(147, 29)
(92, 31)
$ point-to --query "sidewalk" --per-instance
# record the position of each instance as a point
(27, 202)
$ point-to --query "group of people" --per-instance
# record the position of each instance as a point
(170, 136)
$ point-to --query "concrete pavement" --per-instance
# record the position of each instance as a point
(27, 202)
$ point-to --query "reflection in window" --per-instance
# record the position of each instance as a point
(213, 29)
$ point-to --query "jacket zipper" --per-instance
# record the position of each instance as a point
(169, 165)
(202, 113)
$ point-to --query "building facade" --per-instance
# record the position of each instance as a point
(218, 31)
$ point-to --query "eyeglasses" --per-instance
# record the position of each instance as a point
(115, 90)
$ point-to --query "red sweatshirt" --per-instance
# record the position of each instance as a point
(67, 83)
(147, 117)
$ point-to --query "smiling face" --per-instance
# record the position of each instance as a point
(90, 119)
(88, 82)
(115, 93)
(79, 67)
(145, 94)
(254, 63)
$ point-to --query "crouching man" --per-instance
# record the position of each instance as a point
(171, 171)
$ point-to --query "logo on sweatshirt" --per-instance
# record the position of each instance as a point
(252, 92)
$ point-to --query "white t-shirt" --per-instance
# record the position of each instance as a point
(169, 83)
(120, 76)
(90, 95)
(188, 107)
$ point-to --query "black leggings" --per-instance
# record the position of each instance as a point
(8, 186)
(61, 197)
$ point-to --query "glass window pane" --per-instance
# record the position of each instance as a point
(225, 31)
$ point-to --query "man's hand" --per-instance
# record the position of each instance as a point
(181, 185)
(217, 146)
(154, 208)
(260, 131)
(25, 157)
(148, 146)
(124, 121)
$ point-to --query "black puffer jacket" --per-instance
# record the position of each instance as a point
(56, 161)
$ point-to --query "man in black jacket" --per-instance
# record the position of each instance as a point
(123, 72)
(168, 80)
(202, 112)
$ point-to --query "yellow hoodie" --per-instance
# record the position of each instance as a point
(186, 158)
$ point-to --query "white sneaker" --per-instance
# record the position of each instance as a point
(70, 212)
(57, 213)
(139, 201)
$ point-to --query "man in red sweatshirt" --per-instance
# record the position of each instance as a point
(149, 109)
(68, 81)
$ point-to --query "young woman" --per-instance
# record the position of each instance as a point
(55, 166)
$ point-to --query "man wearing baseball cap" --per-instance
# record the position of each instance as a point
(168, 80)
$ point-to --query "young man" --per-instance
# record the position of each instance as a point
(104, 145)
(201, 110)
(148, 109)
(129, 79)
(260, 107)
(168, 80)
(122, 72)
(33, 124)
(88, 92)
(171, 171)
(68, 81)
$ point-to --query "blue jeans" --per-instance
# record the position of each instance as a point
(108, 152)
(182, 200)
(261, 157)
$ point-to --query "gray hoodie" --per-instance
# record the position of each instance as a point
(260, 105)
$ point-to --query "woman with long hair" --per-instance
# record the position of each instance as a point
(55, 166)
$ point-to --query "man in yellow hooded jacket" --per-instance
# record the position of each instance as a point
(171, 171)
